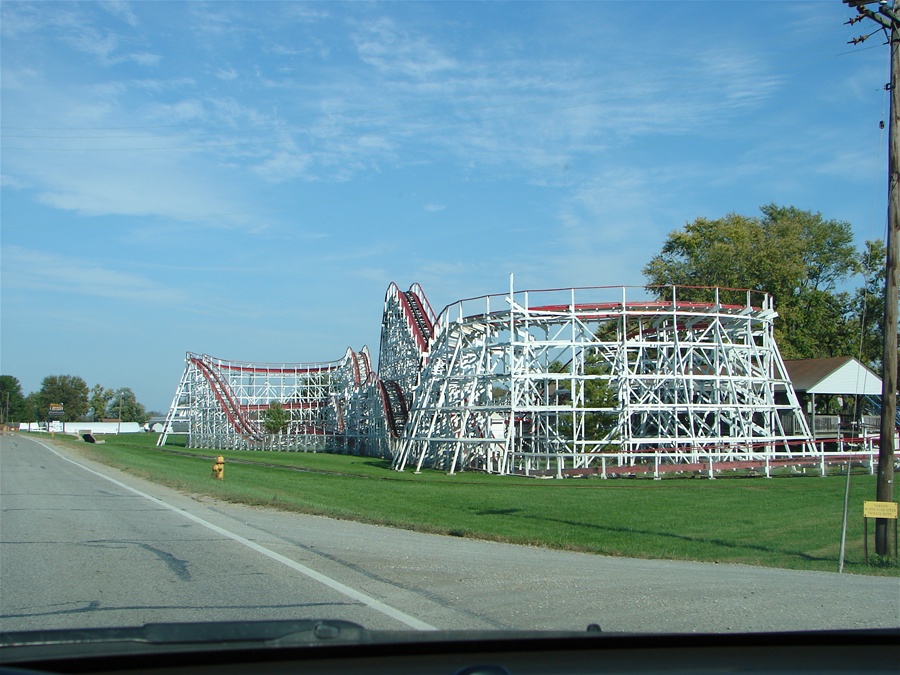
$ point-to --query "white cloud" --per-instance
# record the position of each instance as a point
(19, 19)
(178, 186)
(283, 165)
(145, 58)
(374, 142)
(91, 41)
(121, 10)
(13, 182)
(398, 51)
(494, 109)
(434, 208)
(304, 13)
(185, 110)
(38, 271)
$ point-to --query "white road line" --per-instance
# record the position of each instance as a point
(359, 596)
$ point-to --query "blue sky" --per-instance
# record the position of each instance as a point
(246, 179)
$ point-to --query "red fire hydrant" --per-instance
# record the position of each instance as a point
(218, 469)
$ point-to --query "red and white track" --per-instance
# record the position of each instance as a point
(563, 381)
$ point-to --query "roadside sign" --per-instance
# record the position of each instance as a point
(880, 510)
(886, 510)
(56, 410)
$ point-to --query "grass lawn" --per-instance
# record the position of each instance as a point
(791, 521)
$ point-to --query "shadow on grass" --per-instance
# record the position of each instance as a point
(378, 463)
(655, 533)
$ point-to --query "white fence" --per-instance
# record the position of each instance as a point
(75, 428)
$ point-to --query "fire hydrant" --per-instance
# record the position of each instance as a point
(218, 469)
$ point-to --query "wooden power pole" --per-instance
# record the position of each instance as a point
(889, 21)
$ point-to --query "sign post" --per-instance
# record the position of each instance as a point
(55, 411)
(879, 510)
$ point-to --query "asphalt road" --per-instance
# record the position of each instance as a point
(85, 545)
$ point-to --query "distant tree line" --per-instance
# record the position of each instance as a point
(80, 403)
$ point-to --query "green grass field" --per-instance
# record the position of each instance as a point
(791, 522)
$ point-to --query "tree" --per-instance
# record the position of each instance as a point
(597, 394)
(276, 418)
(70, 390)
(32, 408)
(99, 402)
(124, 406)
(796, 256)
(12, 400)
(868, 304)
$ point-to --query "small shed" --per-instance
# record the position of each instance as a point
(839, 375)
(838, 379)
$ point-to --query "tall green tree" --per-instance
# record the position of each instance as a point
(797, 256)
(276, 418)
(12, 400)
(868, 304)
(32, 408)
(70, 390)
(124, 405)
(99, 402)
(597, 394)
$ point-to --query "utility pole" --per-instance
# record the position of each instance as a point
(889, 21)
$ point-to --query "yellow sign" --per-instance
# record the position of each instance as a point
(880, 510)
